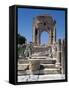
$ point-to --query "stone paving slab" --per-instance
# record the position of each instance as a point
(27, 78)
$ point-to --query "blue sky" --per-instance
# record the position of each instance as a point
(25, 21)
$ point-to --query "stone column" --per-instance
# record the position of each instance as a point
(38, 41)
(39, 38)
(58, 62)
(33, 35)
(63, 57)
(54, 34)
(50, 37)
(33, 31)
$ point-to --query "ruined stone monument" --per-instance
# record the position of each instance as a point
(48, 59)
(51, 54)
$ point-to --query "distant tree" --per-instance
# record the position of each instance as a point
(21, 39)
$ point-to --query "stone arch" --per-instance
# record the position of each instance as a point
(44, 23)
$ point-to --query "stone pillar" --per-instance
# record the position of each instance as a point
(58, 62)
(38, 38)
(63, 57)
(33, 31)
(54, 50)
(54, 34)
(33, 35)
(50, 37)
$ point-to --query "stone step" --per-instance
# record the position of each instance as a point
(46, 61)
(23, 66)
(41, 61)
(26, 66)
(47, 66)
(42, 48)
(50, 66)
(40, 72)
(40, 64)
(26, 78)
(42, 57)
(40, 54)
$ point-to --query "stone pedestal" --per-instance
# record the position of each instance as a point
(34, 66)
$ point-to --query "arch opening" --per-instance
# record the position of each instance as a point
(44, 38)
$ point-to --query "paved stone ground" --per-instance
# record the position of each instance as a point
(27, 78)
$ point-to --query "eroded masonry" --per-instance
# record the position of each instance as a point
(44, 59)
